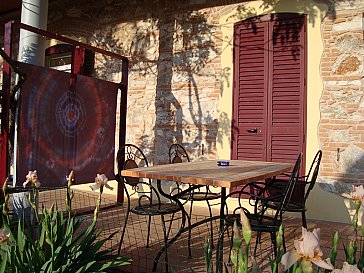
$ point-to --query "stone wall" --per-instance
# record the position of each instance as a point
(174, 80)
(341, 129)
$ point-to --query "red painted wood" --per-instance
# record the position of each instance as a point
(269, 88)
(5, 103)
(287, 127)
(78, 60)
(249, 97)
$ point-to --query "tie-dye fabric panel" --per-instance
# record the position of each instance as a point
(66, 122)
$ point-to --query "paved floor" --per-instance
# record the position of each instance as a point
(134, 244)
(112, 219)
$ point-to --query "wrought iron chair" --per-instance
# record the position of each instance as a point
(149, 202)
(302, 190)
(260, 220)
(177, 154)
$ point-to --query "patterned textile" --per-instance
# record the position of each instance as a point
(66, 122)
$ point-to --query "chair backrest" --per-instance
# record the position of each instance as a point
(283, 198)
(128, 157)
(177, 154)
(311, 177)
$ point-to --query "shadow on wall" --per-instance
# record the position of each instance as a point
(171, 46)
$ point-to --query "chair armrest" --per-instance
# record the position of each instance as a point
(245, 189)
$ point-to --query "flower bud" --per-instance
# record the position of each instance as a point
(280, 236)
(335, 239)
(71, 178)
(237, 241)
(247, 234)
(352, 251)
(244, 220)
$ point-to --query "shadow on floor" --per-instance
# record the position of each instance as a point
(112, 217)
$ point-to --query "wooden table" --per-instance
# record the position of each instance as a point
(239, 172)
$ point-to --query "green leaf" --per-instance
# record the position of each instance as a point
(21, 240)
(4, 262)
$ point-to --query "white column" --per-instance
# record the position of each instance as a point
(32, 51)
(31, 45)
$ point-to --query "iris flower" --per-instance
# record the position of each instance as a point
(347, 268)
(5, 237)
(357, 194)
(32, 179)
(71, 177)
(100, 182)
(307, 250)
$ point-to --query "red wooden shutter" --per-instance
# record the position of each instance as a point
(286, 89)
(250, 100)
(269, 88)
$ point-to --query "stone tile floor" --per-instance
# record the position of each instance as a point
(134, 245)
(112, 217)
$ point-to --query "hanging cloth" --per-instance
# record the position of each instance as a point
(66, 122)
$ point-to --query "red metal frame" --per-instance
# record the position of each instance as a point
(78, 57)
(5, 104)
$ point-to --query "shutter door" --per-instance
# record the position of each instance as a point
(269, 88)
(287, 89)
(250, 99)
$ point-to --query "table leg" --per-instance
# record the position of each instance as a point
(220, 242)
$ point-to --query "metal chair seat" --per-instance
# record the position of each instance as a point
(302, 189)
(291, 207)
(200, 196)
(155, 209)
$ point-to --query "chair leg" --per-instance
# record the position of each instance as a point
(189, 231)
(304, 223)
(274, 243)
(257, 240)
(189, 237)
(148, 233)
(211, 228)
(165, 243)
(125, 223)
(231, 243)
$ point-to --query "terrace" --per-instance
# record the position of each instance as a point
(112, 217)
(177, 83)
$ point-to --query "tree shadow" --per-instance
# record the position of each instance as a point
(170, 45)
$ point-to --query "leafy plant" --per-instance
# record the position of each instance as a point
(59, 243)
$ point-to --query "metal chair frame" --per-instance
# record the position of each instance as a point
(178, 154)
(259, 220)
(305, 184)
(149, 200)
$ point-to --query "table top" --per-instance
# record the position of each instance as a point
(207, 172)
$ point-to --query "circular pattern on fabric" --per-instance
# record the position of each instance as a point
(70, 114)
